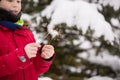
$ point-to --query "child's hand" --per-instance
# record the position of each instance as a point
(47, 51)
(31, 49)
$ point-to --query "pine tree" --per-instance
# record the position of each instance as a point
(67, 51)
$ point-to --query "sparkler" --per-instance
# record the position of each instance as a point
(51, 37)
(56, 37)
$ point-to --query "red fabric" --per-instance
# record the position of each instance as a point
(11, 49)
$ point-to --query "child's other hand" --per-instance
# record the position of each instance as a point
(47, 51)
(31, 49)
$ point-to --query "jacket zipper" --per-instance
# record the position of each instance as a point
(24, 74)
(17, 47)
(14, 40)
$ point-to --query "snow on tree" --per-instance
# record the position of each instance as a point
(87, 46)
(79, 13)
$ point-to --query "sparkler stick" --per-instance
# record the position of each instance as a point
(42, 44)
(50, 39)
(56, 37)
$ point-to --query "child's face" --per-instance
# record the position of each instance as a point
(13, 6)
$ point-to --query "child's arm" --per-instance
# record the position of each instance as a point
(43, 60)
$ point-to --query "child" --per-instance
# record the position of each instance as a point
(20, 57)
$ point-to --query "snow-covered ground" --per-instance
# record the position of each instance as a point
(100, 78)
(44, 78)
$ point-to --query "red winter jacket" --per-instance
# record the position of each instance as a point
(14, 63)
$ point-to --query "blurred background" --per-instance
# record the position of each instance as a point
(85, 34)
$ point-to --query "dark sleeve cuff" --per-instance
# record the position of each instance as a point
(51, 58)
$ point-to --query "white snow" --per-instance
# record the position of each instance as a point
(115, 22)
(103, 58)
(78, 13)
(86, 45)
(100, 78)
(113, 3)
(44, 78)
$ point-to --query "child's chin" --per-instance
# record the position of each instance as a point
(14, 13)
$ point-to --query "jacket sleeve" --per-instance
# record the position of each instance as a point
(13, 61)
(41, 65)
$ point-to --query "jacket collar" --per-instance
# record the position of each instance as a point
(10, 25)
(20, 31)
(4, 28)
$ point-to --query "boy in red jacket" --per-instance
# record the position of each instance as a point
(20, 57)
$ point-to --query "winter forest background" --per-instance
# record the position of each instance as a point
(85, 34)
